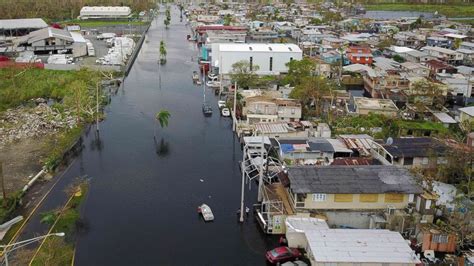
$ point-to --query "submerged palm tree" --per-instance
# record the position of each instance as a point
(162, 53)
(163, 117)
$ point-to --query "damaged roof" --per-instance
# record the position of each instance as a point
(416, 147)
(343, 179)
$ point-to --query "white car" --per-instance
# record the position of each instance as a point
(212, 76)
(225, 112)
(221, 104)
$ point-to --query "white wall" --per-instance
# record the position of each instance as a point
(226, 59)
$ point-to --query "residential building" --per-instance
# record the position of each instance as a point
(365, 106)
(311, 151)
(411, 152)
(466, 114)
(326, 246)
(271, 59)
(265, 109)
(105, 12)
(415, 69)
(443, 54)
(416, 56)
(437, 67)
(467, 46)
(346, 195)
(360, 55)
(408, 39)
(438, 42)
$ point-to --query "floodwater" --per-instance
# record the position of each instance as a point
(381, 15)
(142, 205)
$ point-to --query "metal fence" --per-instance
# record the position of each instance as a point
(134, 55)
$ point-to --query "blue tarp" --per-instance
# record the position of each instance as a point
(286, 148)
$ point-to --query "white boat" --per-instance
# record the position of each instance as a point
(206, 212)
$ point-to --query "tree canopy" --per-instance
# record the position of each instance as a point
(298, 70)
(244, 74)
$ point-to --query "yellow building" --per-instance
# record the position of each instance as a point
(343, 192)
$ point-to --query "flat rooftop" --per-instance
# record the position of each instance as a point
(359, 246)
(375, 104)
(259, 47)
(25, 23)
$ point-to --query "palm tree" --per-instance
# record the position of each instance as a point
(162, 52)
(163, 117)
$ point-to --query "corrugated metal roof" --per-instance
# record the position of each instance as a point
(444, 118)
(334, 179)
(26, 23)
(273, 128)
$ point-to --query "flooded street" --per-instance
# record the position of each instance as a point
(143, 199)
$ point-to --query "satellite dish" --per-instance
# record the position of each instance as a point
(389, 141)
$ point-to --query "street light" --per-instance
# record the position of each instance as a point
(14, 246)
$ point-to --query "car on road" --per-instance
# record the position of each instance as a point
(221, 104)
(225, 112)
(282, 254)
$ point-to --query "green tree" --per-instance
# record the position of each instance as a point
(244, 74)
(315, 21)
(457, 43)
(227, 19)
(398, 58)
(312, 92)
(298, 70)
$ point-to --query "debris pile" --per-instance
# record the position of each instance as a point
(26, 122)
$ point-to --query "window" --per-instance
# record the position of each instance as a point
(251, 63)
(343, 197)
(369, 197)
(293, 111)
(319, 197)
(408, 161)
(271, 63)
(425, 161)
(393, 198)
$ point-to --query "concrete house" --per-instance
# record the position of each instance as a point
(411, 152)
(265, 109)
(416, 56)
(443, 54)
(311, 151)
(466, 114)
(345, 194)
(365, 106)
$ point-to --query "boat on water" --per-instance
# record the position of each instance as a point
(206, 109)
(206, 212)
(195, 76)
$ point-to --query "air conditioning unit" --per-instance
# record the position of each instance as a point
(390, 210)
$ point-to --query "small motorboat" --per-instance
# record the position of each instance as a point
(195, 76)
(206, 110)
(206, 212)
(213, 84)
(225, 112)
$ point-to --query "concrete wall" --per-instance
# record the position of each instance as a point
(356, 204)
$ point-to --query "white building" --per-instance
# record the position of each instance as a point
(105, 12)
(271, 59)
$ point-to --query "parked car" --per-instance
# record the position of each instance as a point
(283, 254)
(221, 104)
(225, 112)
(211, 76)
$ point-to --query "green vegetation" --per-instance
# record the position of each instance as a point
(163, 117)
(9, 205)
(58, 250)
(454, 10)
(61, 144)
(61, 10)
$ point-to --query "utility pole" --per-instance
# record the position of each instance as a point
(97, 106)
(242, 191)
(260, 177)
(4, 194)
(234, 119)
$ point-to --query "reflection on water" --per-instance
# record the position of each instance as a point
(162, 148)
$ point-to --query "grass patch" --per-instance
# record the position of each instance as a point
(102, 23)
(60, 250)
(60, 145)
(17, 86)
(456, 10)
